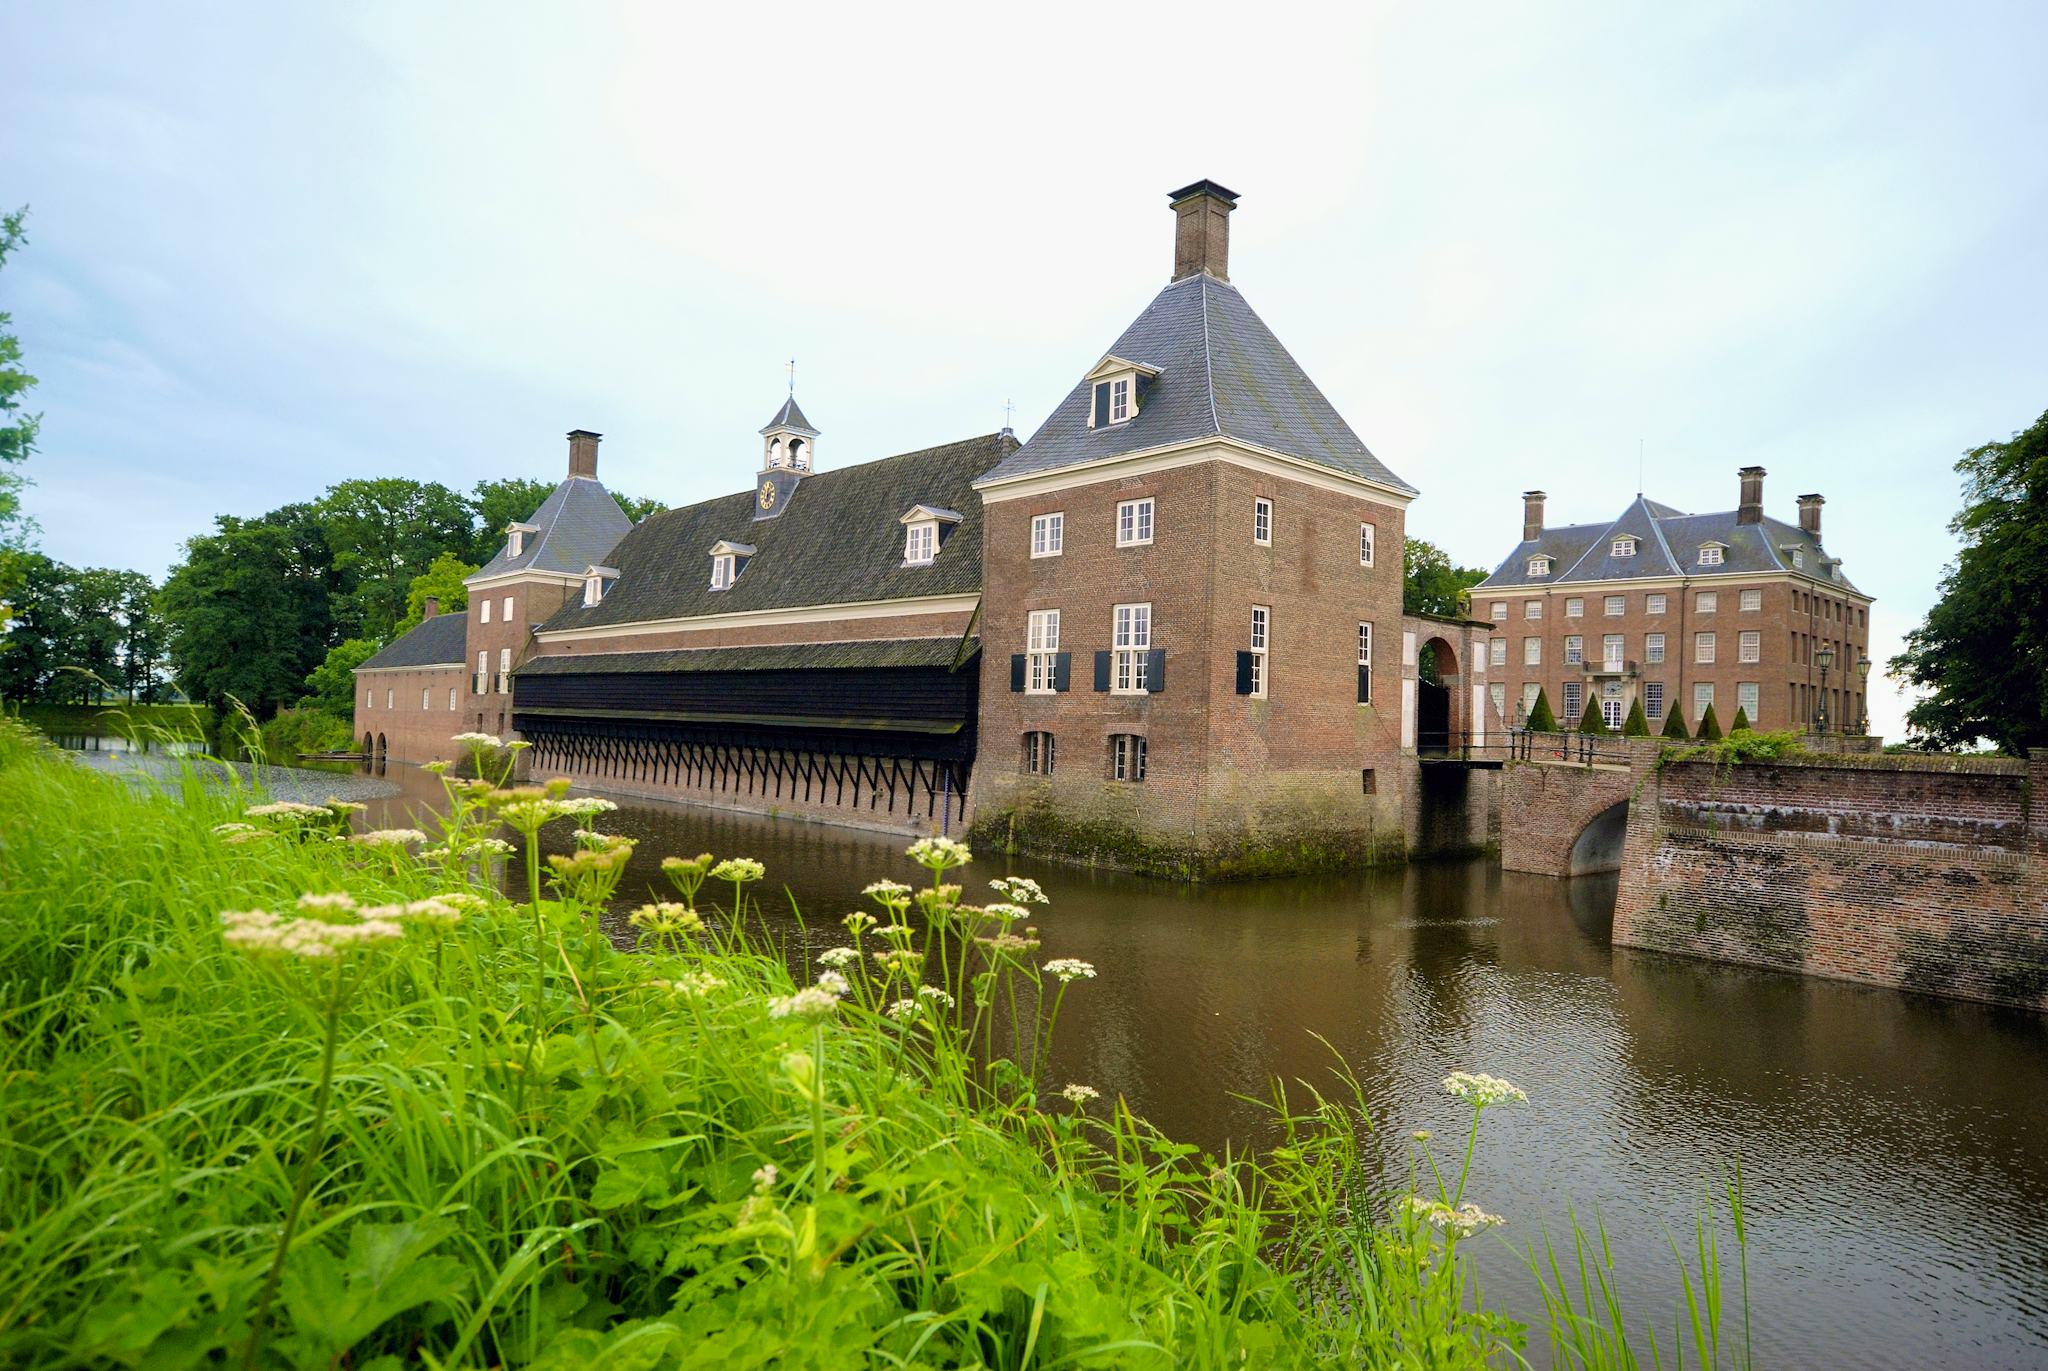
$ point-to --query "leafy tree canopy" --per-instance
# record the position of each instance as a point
(79, 633)
(384, 531)
(442, 579)
(236, 616)
(333, 682)
(1981, 655)
(1430, 584)
(17, 432)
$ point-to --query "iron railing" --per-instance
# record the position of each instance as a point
(1526, 745)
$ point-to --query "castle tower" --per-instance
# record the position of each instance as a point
(788, 445)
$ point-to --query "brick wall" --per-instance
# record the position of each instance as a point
(1922, 873)
(391, 717)
(1548, 803)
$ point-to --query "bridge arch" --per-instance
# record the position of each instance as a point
(1599, 844)
(1439, 700)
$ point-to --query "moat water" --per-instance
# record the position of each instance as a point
(1894, 1149)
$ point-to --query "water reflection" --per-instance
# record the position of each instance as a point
(1893, 1148)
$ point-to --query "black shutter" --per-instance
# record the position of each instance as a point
(1244, 673)
(1364, 685)
(1102, 671)
(1062, 670)
(1017, 671)
(1155, 671)
(1102, 405)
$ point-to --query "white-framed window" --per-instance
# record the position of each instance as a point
(1262, 628)
(1574, 608)
(1653, 647)
(484, 612)
(1702, 697)
(483, 672)
(1614, 606)
(515, 542)
(1048, 534)
(1368, 535)
(508, 609)
(1500, 611)
(1749, 646)
(1532, 609)
(1710, 554)
(1041, 651)
(451, 699)
(1262, 521)
(1624, 547)
(722, 571)
(504, 671)
(1746, 699)
(369, 700)
(1527, 704)
(1798, 559)
(593, 590)
(1703, 648)
(1498, 694)
(426, 694)
(1120, 399)
(1574, 650)
(1574, 703)
(920, 542)
(1539, 566)
(1612, 650)
(1134, 523)
(1130, 641)
(1497, 652)
(1653, 699)
(1653, 604)
(1611, 712)
(1038, 753)
(1752, 601)
(1365, 664)
(1532, 652)
(1706, 602)
(390, 698)
(1127, 757)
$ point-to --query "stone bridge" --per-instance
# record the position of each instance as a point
(1565, 817)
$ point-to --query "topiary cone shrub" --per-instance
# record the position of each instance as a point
(1741, 724)
(1591, 720)
(1541, 720)
(1674, 726)
(1710, 727)
(1636, 725)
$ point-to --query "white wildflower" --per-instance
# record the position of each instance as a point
(886, 891)
(858, 922)
(1018, 890)
(1483, 1090)
(260, 931)
(813, 1002)
(764, 1179)
(224, 830)
(834, 982)
(1081, 1094)
(476, 740)
(391, 837)
(1069, 969)
(902, 1010)
(666, 917)
(1460, 1222)
(691, 985)
(738, 869)
(939, 854)
(336, 900)
(838, 958)
(343, 807)
(1008, 913)
(286, 810)
(587, 807)
(935, 995)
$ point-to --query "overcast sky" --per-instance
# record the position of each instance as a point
(274, 247)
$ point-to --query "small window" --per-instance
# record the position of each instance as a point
(1497, 652)
(483, 677)
(369, 700)
(1527, 704)
(1532, 652)
(1038, 753)
(1262, 521)
(1746, 699)
(508, 609)
(1798, 559)
(1499, 695)
(1134, 523)
(1710, 554)
(1653, 604)
(1262, 624)
(1368, 781)
(920, 543)
(593, 590)
(426, 694)
(1749, 647)
(1703, 648)
(1702, 698)
(1368, 535)
(1041, 651)
(1120, 400)
(1574, 650)
(1365, 664)
(1752, 601)
(1653, 647)
(390, 698)
(1653, 699)
(1127, 757)
(1131, 643)
(1624, 547)
(1539, 566)
(1574, 703)
(484, 612)
(1500, 611)
(1615, 606)
(1048, 534)
(722, 571)
(1532, 609)
(451, 699)
(1574, 608)
(1707, 602)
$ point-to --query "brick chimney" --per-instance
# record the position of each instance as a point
(1809, 513)
(1751, 509)
(583, 452)
(1201, 230)
(429, 607)
(1532, 515)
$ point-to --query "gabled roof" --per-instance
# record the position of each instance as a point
(1598, 562)
(575, 526)
(840, 541)
(439, 641)
(789, 416)
(1222, 373)
(1668, 544)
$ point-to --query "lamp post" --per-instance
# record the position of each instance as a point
(1824, 659)
(1863, 693)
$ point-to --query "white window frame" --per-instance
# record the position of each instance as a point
(1706, 602)
(1048, 534)
(1702, 699)
(426, 698)
(1119, 399)
(1498, 694)
(1532, 652)
(1614, 606)
(1041, 651)
(1130, 639)
(1653, 604)
(1539, 566)
(1261, 641)
(921, 542)
(504, 671)
(1262, 521)
(1611, 713)
(1527, 704)
(1497, 652)
(1365, 658)
(1500, 611)
(1040, 751)
(1127, 757)
(515, 542)
(1613, 651)
(1574, 704)
(1749, 699)
(1574, 650)
(1623, 547)
(1703, 648)
(1134, 522)
(1575, 607)
(485, 612)
(369, 699)
(451, 699)
(483, 672)
(1368, 539)
(1710, 554)
(723, 573)
(1798, 560)
(508, 609)
(390, 698)
(1653, 699)
(1532, 609)
(1751, 601)
(1653, 648)
(1749, 645)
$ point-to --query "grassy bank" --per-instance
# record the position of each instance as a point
(132, 722)
(382, 1116)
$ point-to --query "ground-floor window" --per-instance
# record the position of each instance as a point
(1574, 703)
(451, 699)
(1038, 749)
(1499, 695)
(1611, 712)
(1653, 699)
(1527, 704)
(1368, 782)
(1702, 699)
(1127, 757)
(1746, 699)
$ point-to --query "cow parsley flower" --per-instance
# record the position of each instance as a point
(1018, 890)
(227, 830)
(1460, 1222)
(1008, 913)
(887, 891)
(1483, 1090)
(834, 982)
(691, 985)
(286, 811)
(939, 854)
(344, 808)
(336, 900)
(391, 837)
(476, 740)
(813, 1002)
(764, 1179)
(935, 995)
(261, 932)
(1081, 1094)
(738, 869)
(1069, 969)
(838, 958)
(587, 807)
(902, 1010)
(858, 922)
(666, 918)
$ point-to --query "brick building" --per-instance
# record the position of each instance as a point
(1680, 611)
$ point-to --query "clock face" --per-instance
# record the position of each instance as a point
(767, 494)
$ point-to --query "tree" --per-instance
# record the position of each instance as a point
(1981, 655)
(1637, 725)
(637, 508)
(1430, 584)
(383, 532)
(40, 632)
(333, 682)
(1710, 727)
(1591, 720)
(443, 579)
(496, 504)
(1674, 725)
(235, 617)
(1541, 720)
(17, 431)
(1741, 723)
(142, 639)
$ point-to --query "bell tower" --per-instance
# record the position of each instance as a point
(788, 446)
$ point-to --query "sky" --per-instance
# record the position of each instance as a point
(276, 246)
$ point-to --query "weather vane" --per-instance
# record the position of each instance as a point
(1008, 410)
(792, 377)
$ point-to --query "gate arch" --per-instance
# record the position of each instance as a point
(1599, 844)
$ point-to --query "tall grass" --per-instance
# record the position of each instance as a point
(481, 1134)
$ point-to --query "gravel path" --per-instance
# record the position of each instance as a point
(282, 782)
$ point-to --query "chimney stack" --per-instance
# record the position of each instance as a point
(583, 452)
(1532, 515)
(1809, 513)
(1751, 509)
(429, 607)
(1201, 230)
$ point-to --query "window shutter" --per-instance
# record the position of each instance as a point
(1244, 673)
(1017, 671)
(1102, 405)
(1062, 670)
(1155, 671)
(1102, 671)
(1364, 685)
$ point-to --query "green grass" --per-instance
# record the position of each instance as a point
(121, 720)
(504, 1142)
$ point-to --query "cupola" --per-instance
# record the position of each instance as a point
(788, 445)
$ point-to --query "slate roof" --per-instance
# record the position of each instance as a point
(789, 416)
(837, 541)
(881, 652)
(439, 641)
(1222, 373)
(1667, 544)
(579, 523)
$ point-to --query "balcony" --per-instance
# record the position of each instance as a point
(1610, 666)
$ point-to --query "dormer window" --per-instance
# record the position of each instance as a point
(1539, 566)
(1711, 554)
(596, 581)
(924, 529)
(1798, 560)
(1624, 547)
(1114, 387)
(515, 538)
(728, 560)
